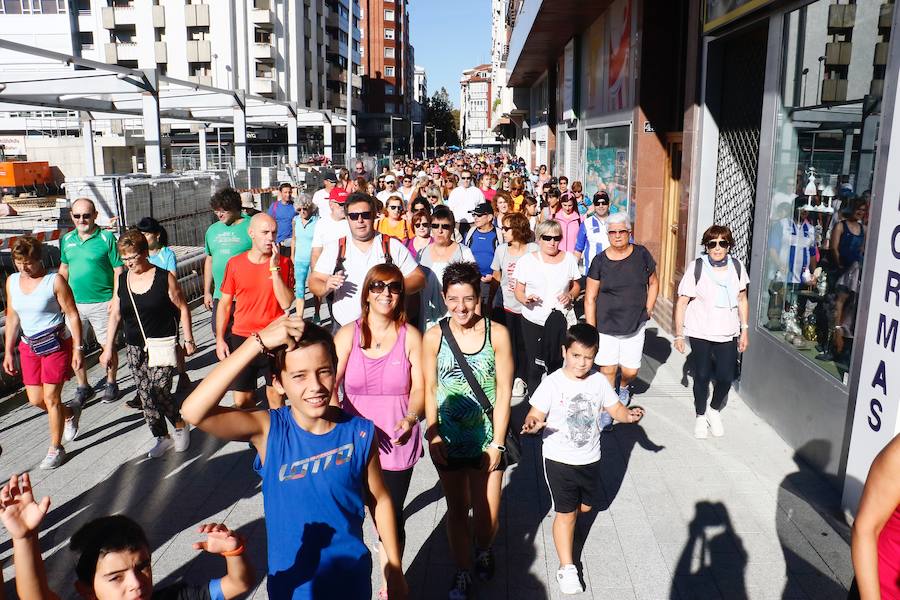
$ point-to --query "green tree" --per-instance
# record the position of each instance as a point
(440, 115)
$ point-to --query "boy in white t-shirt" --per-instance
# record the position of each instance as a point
(567, 407)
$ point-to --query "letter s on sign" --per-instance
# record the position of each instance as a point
(875, 409)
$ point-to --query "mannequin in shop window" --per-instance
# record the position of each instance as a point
(793, 257)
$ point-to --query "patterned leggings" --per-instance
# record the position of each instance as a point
(153, 390)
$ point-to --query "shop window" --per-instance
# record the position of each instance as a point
(824, 157)
(606, 165)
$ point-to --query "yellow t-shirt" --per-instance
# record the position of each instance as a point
(401, 229)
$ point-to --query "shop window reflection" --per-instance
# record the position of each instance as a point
(825, 146)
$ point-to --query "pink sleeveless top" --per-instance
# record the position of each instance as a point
(378, 389)
(889, 558)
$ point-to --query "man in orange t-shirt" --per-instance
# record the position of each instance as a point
(260, 282)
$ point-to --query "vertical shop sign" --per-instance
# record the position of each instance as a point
(875, 417)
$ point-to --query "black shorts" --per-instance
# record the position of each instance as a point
(246, 380)
(573, 485)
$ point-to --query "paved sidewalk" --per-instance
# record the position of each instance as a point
(685, 519)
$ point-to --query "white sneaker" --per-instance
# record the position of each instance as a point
(161, 446)
(519, 388)
(700, 427)
(54, 458)
(567, 578)
(182, 438)
(70, 429)
(715, 422)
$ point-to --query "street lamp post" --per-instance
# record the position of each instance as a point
(436, 130)
(411, 125)
(349, 128)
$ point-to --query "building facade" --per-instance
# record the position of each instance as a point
(388, 78)
(279, 49)
(476, 94)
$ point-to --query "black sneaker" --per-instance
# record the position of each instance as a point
(484, 564)
(110, 393)
(134, 403)
(462, 586)
(83, 393)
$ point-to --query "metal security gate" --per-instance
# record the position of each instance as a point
(739, 117)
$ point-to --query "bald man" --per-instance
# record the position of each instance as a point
(260, 284)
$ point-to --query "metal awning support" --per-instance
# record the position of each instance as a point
(201, 134)
(292, 144)
(240, 133)
(87, 134)
(152, 130)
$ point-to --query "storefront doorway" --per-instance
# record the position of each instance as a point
(668, 259)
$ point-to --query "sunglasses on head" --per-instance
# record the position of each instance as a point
(365, 215)
(720, 243)
(444, 226)
(378, 286)
(551, 238)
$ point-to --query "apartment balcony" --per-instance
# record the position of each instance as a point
(885, 18)
(838, 53)
(117, 51)
(338, 101)
(196, 15)
(127, 16)
(201, 79)
(263, 51)
(161, 51)
(262, 85)
(199, 51)
(263, 17)
(834, 90)
(881, 54)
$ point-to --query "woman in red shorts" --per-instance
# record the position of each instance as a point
(39, 303)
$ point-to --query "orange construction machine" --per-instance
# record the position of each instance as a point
(22, 176)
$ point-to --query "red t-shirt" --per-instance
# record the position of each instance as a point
(250, 287)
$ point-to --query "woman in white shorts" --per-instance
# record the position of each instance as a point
(619, 295)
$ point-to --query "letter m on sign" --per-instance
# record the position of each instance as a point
(887, 335)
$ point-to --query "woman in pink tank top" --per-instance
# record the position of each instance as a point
(876, 531)
(379, 367)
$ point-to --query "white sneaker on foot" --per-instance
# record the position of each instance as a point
(162, 445)
(700, 427)
(54, 458)
(70, 429)
(715, 422)
(567, 578)
(182, 438)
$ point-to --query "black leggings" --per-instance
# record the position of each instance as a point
(397, 484)
(513, 323)
(531, 336)
(712, 360)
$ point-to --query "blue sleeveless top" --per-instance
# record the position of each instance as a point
(313, 499)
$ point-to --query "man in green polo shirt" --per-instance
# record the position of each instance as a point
(91, 265)
(228, 237)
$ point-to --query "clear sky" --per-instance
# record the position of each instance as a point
(450, 36)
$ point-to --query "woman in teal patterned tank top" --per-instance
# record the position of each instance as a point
(465, 443)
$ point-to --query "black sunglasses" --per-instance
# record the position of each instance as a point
(444, 226)
(394, 207)
(720, 243)
(506, 228)
(366, 215)
(551, 238)
(394, 287)
(599, 202)
(84, 216)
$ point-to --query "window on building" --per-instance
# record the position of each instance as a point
(389, 52)
(86, 39)
(821, 178)
(388, 34)
(390, 108)
(388, 71)
(389, 89)
(388, 15)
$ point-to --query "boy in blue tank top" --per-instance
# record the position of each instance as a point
(318, 466)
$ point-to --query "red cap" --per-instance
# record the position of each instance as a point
(338, 195)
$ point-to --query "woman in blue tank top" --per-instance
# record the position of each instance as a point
(317, 464)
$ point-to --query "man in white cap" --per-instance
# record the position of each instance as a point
(390, 189)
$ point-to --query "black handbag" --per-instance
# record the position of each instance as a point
(513, 448)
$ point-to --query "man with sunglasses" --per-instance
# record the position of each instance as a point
(390, 188)
(91, 264)
(342, 267)
(592, 238)
(463, 200)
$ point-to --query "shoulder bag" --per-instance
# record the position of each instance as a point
(160, 350)
(513, 448)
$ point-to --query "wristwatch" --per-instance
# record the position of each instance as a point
(499, 447)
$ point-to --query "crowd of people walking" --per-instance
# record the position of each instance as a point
(455, 288)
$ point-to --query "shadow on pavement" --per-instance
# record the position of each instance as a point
(615, 452)
(713, 558)
(657, 350)
(811, 499)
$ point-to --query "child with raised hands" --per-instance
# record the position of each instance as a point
(567, 406)
(319, 467)
(112, 559)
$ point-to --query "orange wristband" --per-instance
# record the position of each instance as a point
(236, 552)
